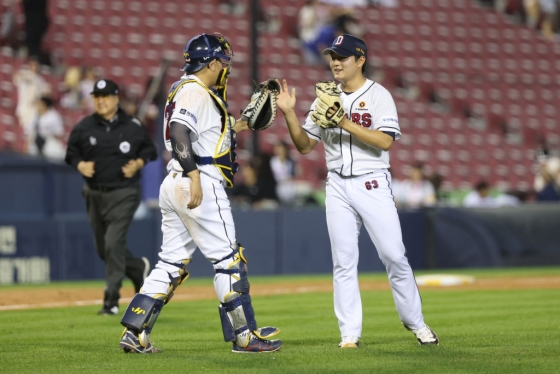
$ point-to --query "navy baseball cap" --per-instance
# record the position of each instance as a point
(105, 87)
(347, 45)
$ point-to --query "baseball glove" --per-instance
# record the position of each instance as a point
(261, 111)
(329, 96)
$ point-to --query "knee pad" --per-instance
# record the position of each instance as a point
(156, 288)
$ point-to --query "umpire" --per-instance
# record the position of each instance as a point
(109, 148)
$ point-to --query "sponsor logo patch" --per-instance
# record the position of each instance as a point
(92, 140)
(391, 119)
(188, 114)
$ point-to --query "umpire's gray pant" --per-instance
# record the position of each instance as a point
(110, 214)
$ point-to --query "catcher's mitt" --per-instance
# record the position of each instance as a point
(329, 96)
(261, 111)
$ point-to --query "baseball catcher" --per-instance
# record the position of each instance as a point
(261, 111)
(199, 132)
(329, 110)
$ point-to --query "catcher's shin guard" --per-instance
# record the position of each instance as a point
(236, 312)
(141, 315)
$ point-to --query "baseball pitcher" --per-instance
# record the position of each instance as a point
(357, 121)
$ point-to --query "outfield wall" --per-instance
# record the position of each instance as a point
(45, 234)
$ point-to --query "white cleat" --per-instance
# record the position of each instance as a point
(349, 342)
(425, 336)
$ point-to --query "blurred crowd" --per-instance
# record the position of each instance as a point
(542, 15)
(268, 181)
(37, 102)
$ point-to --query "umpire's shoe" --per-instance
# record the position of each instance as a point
(257, 345)
(425, 336)
(131, 344)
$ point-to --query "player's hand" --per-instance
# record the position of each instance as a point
(285, 100)
(240, 125)
(196, 190)
(132, 167)
(86, 168)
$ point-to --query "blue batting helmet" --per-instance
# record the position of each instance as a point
(203, 49)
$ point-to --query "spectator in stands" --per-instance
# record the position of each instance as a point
(284, 171)
(86, 85)
(547, 180)
(30, 88)
(309, 25)
(548, 9)
(437, 181)
(416, 191)
(130, 106)
(49, 131)
(319, 24)
(480, 197)
(36, 25)
(254, 192)
(71, 98)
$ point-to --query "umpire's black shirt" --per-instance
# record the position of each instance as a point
(111, 145)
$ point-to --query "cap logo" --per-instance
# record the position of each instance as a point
(339, 40)
(101, 84)
(360, 50)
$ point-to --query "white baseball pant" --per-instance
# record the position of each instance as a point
(368, 199)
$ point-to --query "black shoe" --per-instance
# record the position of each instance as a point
(109, 311)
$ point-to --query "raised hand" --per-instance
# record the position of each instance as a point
(285, 100)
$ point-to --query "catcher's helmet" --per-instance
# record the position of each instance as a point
(203, 49)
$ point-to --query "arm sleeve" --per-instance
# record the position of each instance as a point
(73, 151)
(182, 147)
(385, 118)
(312, 130)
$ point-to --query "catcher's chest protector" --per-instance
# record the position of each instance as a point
(224, 155)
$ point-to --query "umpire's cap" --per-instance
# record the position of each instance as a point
(105, 87)
(348, 45)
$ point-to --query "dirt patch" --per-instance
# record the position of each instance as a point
(47, 298)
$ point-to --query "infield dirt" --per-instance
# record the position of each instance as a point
(13, 299)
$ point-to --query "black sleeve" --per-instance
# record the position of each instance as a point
(147, 150)
(390, 133)
(73, 151)
(182, 147)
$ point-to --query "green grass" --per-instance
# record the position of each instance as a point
(480, 332)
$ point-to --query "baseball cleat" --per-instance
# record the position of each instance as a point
(131, 344)
(425, 336)
(108, 311)
(257, 345)
(349, 342)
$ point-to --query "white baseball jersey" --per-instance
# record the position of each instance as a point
(193, 107)
(210, 226)
(359, 191)
(372, 107)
